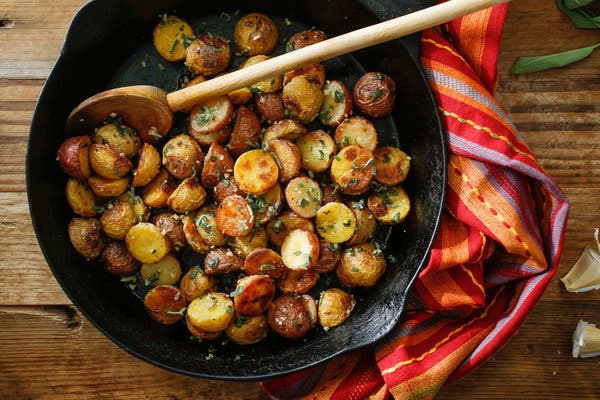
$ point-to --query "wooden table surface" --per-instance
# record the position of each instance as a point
(49, 351)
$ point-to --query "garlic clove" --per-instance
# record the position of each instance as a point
(585, 274)
(586, 340)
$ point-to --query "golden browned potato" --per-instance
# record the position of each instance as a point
(246, 132)
(288, 158)
(266, 206)
(118, 260)
(300, 250)
(226, 187)
(212, 312)
(304, 38)
(264, 261)
(285, 129)
(86, 236)
(269, 85)
(253, 294)
(74, 157)
(206, 139)
(108, 187)
(284, 223)
(335, 307)
(302, 99)
(314, 73)
(247, 330)
(240, 96)
(170, 225)
(118, 219)
(148, 166)
(218, 164)
(206, 221)
(146, 242)
(172, 35)
(374, 94)
(335, 222)
(234, 216)
(298, 281)
(353, 169)
(331, 194)
(208, 54)
(182, 156)
(199, 333)
(188, 196)
(157, 192)
(361, 265)
(255, 34)
(365, 222)
(165, 304)
(255, 172)
(304, 196)
(193, 237)
(310, 305)
(107, 162)
(317, 149)
(391, 165)
(243, 245)
(288, 317)
(270, 106)
(140, 209)
(328, 256)
(356, 131)
(390, 205)
(81, 198)
(165, 271)
(211, 116)
(195, 284)
(119, 137)
(337, 103)
(222, 260)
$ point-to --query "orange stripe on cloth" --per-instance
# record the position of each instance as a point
(410, 339)
(473, 28)
(450, 289)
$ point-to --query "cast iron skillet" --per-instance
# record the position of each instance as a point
(107, 45)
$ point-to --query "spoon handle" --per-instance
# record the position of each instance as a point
(330, 48)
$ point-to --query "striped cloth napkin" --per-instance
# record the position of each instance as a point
(497, 249)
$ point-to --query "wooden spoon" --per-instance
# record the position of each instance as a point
(149, 110)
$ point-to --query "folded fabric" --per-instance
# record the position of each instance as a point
(498, 245)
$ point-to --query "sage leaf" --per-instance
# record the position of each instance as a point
(580, 17)
(573, 4)
(525, 65)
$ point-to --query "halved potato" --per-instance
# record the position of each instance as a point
(335, 222)
(300, 250)
(212, 312)
(165, 271)
(263, 261)
(148, 166)
(210, 116)
(234, 216)
(317, 149)
(246, 132)
(226, 187)
(86, 236)
(302, 99)
(353, 169)
(304, 196)
(119, 137)
(107, 162)
(365, 222)
(195, 284)
(335, 307)
(218, 164)
(314, 73)
(140, 209)
(192, 235)
(157, 192)
(286, 222)
(206, 221)
(74, 157)
(361, 265)
(222, 260)
(268, 85)
(390, 205)
(206, 139)
(270, 106)
(337, 103)
(146, 242)
(248, 330)
(266, 206)
(108, 187)
(255, 172)
(288, 317)
(328, 256)
(288, 158)
(298, 281)
(289, 129)
(208, 54)
(81, 198)
(165, 304)
(117, 260)
(172, 36)
(170, 225)
(118, 219)
(356, 131)
(243, 245)
(253, 294)
(182, 156)
(188, 196)
(391, 165)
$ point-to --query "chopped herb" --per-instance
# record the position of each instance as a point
(278, 226)
(333, 246)
(205, 115)
(237, 357)
(225, 17)
(180, 312)
(240, 321)
(326, 328)
(345, 141)
(359, 205)
(326, 115)
(321, 154)
(98, 209)
(339, 96)
(213, 158)
(211, 353)
(351, 182)
(204, 222)
(163, 19)
(175, 43)
(297, 253)
(347, 223)
(288, 113)
(266, 267)
(365, 165)
(213, 263)
(354, 269)
(187, 40)
(195, 271)
(288, 22)
(303, 202)
(152, 278)
(311, 174)
(350, 251)
(236, 291)
(386, 158)
(314, 194)
(229, 309)
(214, 302)
(250, 143)
(129, 279)
(376, 94)
(256, 90)
(378, 76)
(392, 259)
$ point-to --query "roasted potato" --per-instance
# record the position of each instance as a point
(266, 206)
(165, 271)
(118, 219)
(317, 149)
(302, 99)
(146, 243)
(304, 196)
(170, 225)
(270, 106)
(246, 132)
(206, 139)
(199, 333)
(240, 96)
(172, 36)
(335, 307)
(74, 157)
(300, 250)
(264, 261)
(108, 187)
(117, 260)
(195, 284)
(222, 260)
(330, 194)
(288, 317)
(192, 235)
(337, 103)
(182, 156)
(304, 38)
(157, 192)
(243, 245)
(255, 34)
(148, 166)
(212, 312)
(285, 129)
(335, 222)
(108, 163)
(352, 169)
(329, 255)
(361, 265)
(188, 196)
(218, 164)
(374, 94)
(288, 158)
(81, 198)
(208, 54)
(120, 138)
(356, 131)
(226, 187)
(365, 222)
(253, 294)
(86, 237)
(234, 216)
(314, 73)
(206, 221)
(268, 85)
(140, 209)
(389, 205)
(255, 172)
(284, 223)
(247, 330)
(391, 165)
(165, 304)
(211, 116)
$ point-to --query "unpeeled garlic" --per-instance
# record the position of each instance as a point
(585, 274)
(586, 340)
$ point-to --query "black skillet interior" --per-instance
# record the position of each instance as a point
(109, 44)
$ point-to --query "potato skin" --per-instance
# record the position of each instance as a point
(374, 94)
(255, 34)
(195, 284)
(120, 138)
(118, 219)
(303, 99)
(208, 54)
(298, 281)
(74, 157)
(335, 307)
(208, 120)
(182, 156)
(365, 223)
(148, 166)
(314, 73)
(329, 255)
(199, 333)
(253, 294)
(81, 198)
(247, 330)
(288, 158)
(265, 207)
(218, 164)
(117, 260)
(284, 223)
(226, 187)
(86, 236)
(157, 192)
(170, 37)
(304, 38)
(108, 163)
(165, 304)
(288, 317)
(170, 225)
(188, 196)
(361, 265)
(263, 261)
(391, 165)
(285, 129)
(270, 106)
(222, 260)
(193, 237)
(245, 133)
(206, 222)
(268, 85)
(108, 187)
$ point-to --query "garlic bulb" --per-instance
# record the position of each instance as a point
(585, 274)
(586, 340)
